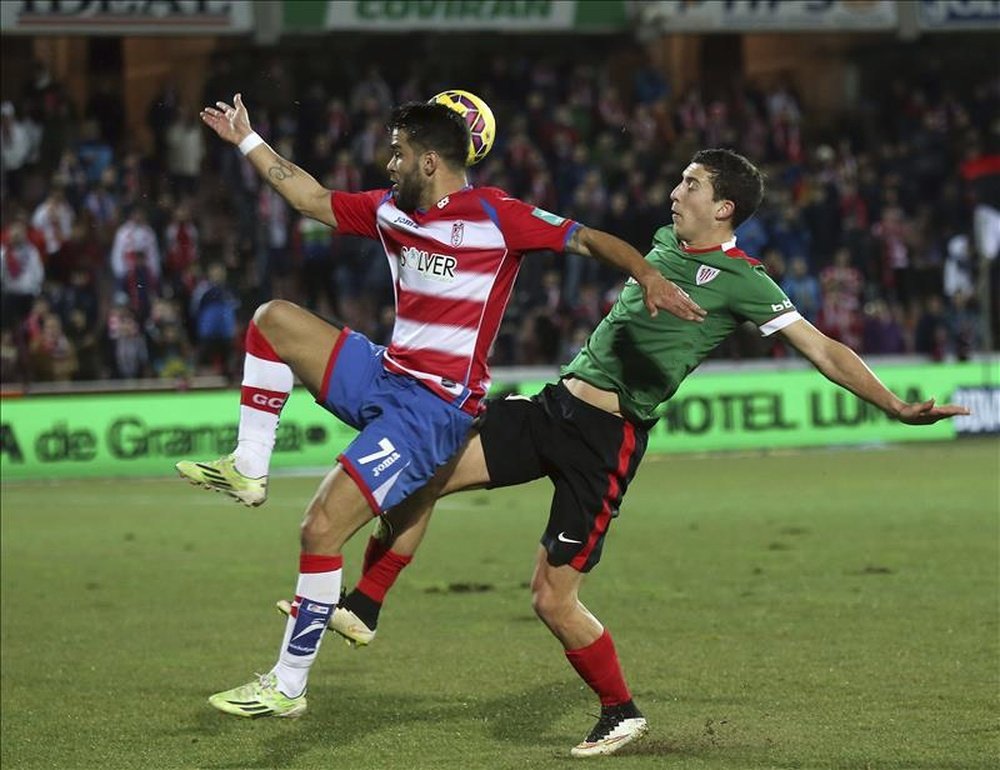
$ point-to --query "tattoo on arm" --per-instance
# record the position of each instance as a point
(280, 171)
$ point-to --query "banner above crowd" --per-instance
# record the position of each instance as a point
(708, 16)
(768, 15)
(302, 16)
(965, 15)
(125, 17)
(221, 17)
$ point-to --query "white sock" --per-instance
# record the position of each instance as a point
(267, 383)
(316, 595)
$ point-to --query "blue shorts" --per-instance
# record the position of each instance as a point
(407, 432)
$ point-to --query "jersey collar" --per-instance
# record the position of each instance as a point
(730, 244)
(445, 200)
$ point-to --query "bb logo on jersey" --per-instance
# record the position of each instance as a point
(437, 267)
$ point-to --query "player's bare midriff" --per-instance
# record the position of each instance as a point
(602, 399)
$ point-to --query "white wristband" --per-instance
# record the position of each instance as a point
(250, 141)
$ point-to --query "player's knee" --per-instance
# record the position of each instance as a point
(317, 534)
(272, 317)
(550, 604)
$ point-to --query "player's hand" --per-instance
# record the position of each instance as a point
(925, 413)
(661, 294)
(231, 123)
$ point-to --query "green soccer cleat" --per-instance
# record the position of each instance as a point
(222, 476)
(259, 698)
(344, 622)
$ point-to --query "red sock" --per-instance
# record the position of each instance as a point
(374, 551)
(598, 666)
(380, 570)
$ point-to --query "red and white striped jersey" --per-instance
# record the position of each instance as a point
(453, 269)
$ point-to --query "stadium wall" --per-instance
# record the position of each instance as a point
(752, 406)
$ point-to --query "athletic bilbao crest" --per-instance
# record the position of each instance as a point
(457, 233)
(705, 274)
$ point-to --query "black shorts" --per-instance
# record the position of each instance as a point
(590, 455)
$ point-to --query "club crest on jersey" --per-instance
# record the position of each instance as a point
(457, 233)
(705, 274)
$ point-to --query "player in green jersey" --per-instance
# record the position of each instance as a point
(588, 432)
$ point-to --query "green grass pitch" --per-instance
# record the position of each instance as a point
(822, 609)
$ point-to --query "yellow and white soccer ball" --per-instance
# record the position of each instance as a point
(478, 117)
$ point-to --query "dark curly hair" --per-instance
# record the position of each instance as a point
(433, 127)
(734, 178)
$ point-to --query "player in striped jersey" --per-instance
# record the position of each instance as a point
(454, 252)
(588, 432)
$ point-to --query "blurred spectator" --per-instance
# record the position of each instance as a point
(21, 275)
(185, 144)
(102, 202)
(371, 93)
(59, 124)
(78, 305)
(963, 321)
(170, 353)
(802, 289)
(790, 235)
(648, 83)
(839, 316)
(752, 236)
(274, 262)
(775, 264)
(959, 270)
(78, 295)
(128, 350)
(160, 115)
(94, 153)
(105, 106)
(181, 246)
(51, 355)
(134, 241)
(315, 247)
(10, 358)
(893, 232)
(135, 264)
(85, 341)
(785, 116)
(84, 250)
(930, 337)
(882, 333)
(54, 218)
(214, 309)
(15, 148)
(345, 174)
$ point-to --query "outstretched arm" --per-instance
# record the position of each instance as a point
(301, 190)
(659, 293)
(843, 366)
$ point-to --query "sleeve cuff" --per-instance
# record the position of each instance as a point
(779, 323)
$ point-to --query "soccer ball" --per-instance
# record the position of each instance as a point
(478, 116)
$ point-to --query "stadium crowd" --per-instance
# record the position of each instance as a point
(120, 262)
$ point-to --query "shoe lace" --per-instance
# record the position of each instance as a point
(606, 722)
(264, 680)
